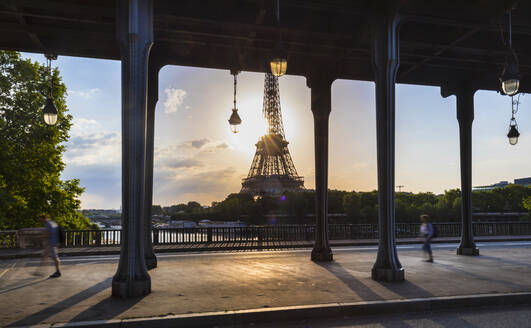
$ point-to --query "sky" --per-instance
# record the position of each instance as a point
(198, 158)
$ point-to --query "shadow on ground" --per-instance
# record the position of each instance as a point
(64, 304)
(362, 290)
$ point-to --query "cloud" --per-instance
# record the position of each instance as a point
(85, 94)
(203, 182)
(186, 163)
(174, 99)
(90, 144)
(223, 145)
(102, 183)
(199, 143)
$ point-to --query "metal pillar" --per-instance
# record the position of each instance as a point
(321, 107)
(465, 117)
(135, 35)
(386, 61)
(153, 96)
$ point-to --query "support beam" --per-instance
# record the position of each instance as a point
(321, 107)
(135, 35)
(153, 96)
(22, 21)
(386, 62)
(439, 52)
(465, 116)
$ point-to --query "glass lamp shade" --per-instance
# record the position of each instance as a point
(234, 128)
(234, 121)
(279, 66)
(513, 135)
(510, 86)
(510, 77)
(50, 112)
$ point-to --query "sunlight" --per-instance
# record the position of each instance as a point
(289, 118)
(253, 125)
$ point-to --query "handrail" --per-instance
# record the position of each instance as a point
(267, 233)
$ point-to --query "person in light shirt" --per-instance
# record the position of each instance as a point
(426, 233)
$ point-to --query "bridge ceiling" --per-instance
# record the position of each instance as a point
(439, 40)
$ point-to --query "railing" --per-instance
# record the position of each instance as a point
(175, 236)
(83, 238)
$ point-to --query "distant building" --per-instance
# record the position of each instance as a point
(523, 181)
(501, 184)
(182, 224)
(526, 182)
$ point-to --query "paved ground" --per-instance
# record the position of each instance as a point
(490, 317)
(204, 282)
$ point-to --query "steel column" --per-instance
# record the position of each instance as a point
(465, 117)
(321, 107)
(135, 34)
(153, 97)
(386, 61)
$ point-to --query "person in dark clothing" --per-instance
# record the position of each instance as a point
(52, 243)
(426, 233)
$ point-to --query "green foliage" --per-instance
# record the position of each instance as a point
(156, 210)
(356, 207)
(352, 205)
(526, 202)
(30, 151)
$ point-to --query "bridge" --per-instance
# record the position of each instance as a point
(459, 46)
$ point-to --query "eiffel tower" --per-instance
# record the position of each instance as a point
(272, 171)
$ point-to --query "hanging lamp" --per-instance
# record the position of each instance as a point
(279, 58)
(50, 111)
(510, 76)
(235, 119)
(513, 133)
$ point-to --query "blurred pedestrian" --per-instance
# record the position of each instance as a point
(426, 233)
(51, 244)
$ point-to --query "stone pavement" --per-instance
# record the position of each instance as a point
(206, 282)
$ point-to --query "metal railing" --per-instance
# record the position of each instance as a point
(269, 233)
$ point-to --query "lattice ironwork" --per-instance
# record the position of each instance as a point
(272, 170)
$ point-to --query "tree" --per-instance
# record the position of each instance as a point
(352, 205)
(31, 151)
(157, 210)
(526, 202)
(193, 206)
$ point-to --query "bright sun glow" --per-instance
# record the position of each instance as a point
(254, 125)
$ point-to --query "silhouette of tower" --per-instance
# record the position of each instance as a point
(272, 171)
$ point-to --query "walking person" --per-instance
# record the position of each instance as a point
(426, 233)
(52, 243)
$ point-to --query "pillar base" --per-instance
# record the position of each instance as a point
(322, 255)
(125, 289)
(151, 261)
(389, 275)
(470, 251)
